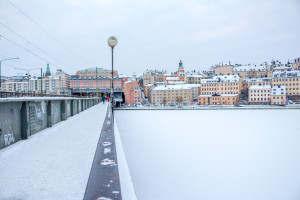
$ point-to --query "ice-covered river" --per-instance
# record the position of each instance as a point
(213, 154)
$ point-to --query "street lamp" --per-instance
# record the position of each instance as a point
(112, 42)
(0, 69)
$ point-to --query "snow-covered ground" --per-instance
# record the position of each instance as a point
(54, 163)
(212, 154)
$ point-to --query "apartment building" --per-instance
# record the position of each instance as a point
(278, 95)
(50, 85)
(223, 69)
(247, 83)
(249, 71)
(10, 86)
(64, 79)
(152, 76)
(194, 78)
(218, 99)
(231, 84)
(259, 94)
(170, 94)
(290, 79)
(132, 93)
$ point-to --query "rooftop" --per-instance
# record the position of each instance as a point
(173, 87)
(259, 87)
(221, 79)
(239, 68)
(278, 90)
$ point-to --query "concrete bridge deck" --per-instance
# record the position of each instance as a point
(54, 163)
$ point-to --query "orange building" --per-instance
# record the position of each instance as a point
(218, 99)
(231, 84)
(132, 93)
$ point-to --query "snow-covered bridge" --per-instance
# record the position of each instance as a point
(58, 162)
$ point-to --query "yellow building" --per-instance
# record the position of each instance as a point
(168, 94)
(218, 99)
(194, 78)
(231, 84)
(290, 79)
(249, 71)
(224, 69)
(278, 95)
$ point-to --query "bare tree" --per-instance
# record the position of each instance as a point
(164, 101)
(179, 99)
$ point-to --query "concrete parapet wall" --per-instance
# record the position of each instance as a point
(23, 117)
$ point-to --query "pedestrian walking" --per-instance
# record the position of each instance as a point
(108, 99)
(103, 99)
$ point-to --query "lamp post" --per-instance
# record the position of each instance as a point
(27, 75)
(112, 42)
(0, 69)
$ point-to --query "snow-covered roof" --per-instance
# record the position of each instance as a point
(219, 95)
(196, 75)
(251, 80)
(176, 82)
(240, 68)
(259, 87)
(284, 74)
(194, 85)
(173, 87)
(172, 78)
(281, 67)
(278, 90)
(221, 79)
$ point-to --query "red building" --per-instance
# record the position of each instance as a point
(132, 93)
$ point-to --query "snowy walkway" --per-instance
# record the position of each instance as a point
(54, 163)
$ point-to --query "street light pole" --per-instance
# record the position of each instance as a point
(0, 70)
(112, 42)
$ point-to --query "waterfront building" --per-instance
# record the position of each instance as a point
(278, 95)
(171, 94)
(231, 84)
(218, 99)
(259, 94)
(290, 79)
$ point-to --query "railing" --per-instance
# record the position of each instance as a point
(24, 94)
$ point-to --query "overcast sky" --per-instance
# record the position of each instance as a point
(152, 34)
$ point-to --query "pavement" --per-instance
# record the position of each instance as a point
(104, 180)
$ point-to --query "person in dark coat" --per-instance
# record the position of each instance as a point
(103, 99)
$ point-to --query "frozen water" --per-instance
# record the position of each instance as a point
(217, 154)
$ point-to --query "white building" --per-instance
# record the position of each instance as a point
(259, 94)
(64, 79)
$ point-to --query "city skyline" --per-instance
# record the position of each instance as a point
(151, 35)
